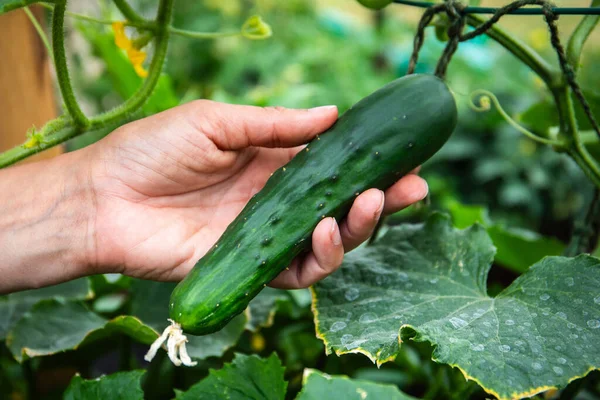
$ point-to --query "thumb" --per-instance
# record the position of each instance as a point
(236, 127)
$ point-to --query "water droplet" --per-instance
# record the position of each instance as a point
(519, 342)
(561, 360)
(569, 281)
(433, 281)
(347, 338)
(561, 314)
(367, 318)
(352, 294)
(597, 300)
(557, 370)
(593, 323)
(458, 323)
(504, 348)
(571, 325)
(337, 326)
(410, 145)
(477, 347)
(573, 336)
(537, 366)
(402, 276)
(544, 297)
(509, 322)
(404, 117)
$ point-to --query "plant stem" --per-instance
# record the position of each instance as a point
(128, 12)
(569, 129)
(163, 20)
(63, 129)
(60, 63)
(580, 35)
(40, 32)
(586, 229)
(526, 54)
(558, 144)
(202, 35)
(13, 6)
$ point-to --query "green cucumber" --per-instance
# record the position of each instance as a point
(381, 138)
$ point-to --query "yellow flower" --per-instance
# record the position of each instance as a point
(135, 55)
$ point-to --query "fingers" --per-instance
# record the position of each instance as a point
(234, 127)
(326, 257)
(327, 251)
(408, 190)
(362, 218)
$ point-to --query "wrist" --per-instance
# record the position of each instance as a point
(45, 227)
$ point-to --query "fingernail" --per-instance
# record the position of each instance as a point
(322, 108)
(334, 232)
(381, 204)
(425, 190)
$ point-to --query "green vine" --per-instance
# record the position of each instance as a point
(486, 98)
(580, 35)
(128, 11)
(40, 31)
(75, 123)
(60, 62)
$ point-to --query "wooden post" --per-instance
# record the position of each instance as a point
(26, 89)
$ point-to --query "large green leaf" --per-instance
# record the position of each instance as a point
(150, 303)
(319, 386)
(119, 386)
(56, 325)
(430, 280)
(14, 305)
(247, 377)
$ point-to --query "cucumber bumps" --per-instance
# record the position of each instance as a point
(380, 139)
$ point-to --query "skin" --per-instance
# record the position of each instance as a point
(153, 196)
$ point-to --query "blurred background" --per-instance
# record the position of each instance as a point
(336, 52)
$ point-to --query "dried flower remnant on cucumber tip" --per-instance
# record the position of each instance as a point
(176, 348)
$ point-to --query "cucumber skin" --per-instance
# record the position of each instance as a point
(382, 137)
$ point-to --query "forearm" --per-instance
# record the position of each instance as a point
(44, 223)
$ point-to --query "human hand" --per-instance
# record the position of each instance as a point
(165, 188)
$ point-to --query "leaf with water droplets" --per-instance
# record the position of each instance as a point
(427, 282)
(319, 386)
